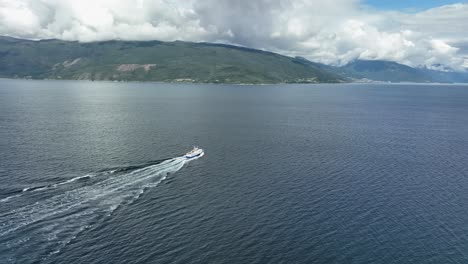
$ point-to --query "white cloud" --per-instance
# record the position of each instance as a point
(17, 17)
(90, 20)
(333, 32)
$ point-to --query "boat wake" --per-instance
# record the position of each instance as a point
(58, 212)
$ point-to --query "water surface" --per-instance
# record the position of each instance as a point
(351, 173)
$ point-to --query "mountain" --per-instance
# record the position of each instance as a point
(190, 62)
(153, 61)
(388, 71)
(382, 71)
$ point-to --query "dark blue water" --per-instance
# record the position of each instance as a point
(360, 173)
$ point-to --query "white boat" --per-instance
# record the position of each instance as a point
(194, 153)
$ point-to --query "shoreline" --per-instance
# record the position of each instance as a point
(238, 84)
(170, 82)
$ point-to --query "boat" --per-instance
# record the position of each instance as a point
(194, 153)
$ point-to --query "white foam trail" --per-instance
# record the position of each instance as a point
(66, 213)
(6, 199)
(74, 179)
(55, 185)
(74, 198)
(42, 188)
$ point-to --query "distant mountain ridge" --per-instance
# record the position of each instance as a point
(388, 71)
(180, 61)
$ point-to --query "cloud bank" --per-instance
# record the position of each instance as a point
(332, 32)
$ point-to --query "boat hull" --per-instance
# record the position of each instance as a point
(194, 155)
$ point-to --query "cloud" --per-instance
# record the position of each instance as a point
(330, 32)
(92, 20)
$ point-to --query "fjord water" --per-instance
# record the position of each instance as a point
(352, 173)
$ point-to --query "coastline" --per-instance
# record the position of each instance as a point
(240, 84)
(167, 82)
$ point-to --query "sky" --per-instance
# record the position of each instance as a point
(417, 33)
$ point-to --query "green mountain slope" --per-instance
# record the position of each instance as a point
(153, 61)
